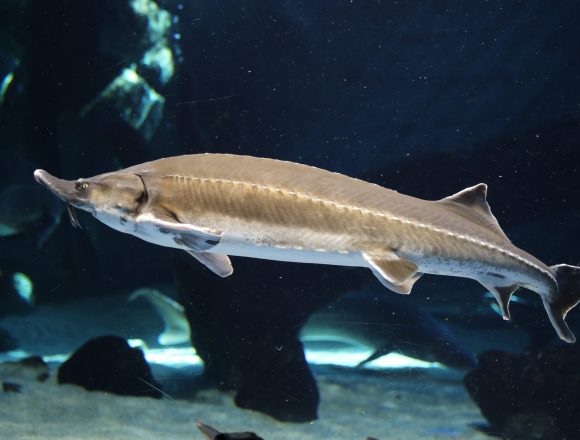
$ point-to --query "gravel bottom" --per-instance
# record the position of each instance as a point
(410, 404)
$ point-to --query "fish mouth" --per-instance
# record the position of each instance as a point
(64, 190)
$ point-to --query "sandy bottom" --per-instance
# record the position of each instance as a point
(404, 404)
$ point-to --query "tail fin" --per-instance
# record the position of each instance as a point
(568, 296)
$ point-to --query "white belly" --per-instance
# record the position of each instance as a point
(240, 241)
(278, 253)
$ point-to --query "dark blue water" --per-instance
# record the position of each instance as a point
(426, 98)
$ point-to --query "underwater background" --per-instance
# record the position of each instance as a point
(425, 97)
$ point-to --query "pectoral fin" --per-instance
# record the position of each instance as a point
(194, 238)
(217, 263)
(393, 272)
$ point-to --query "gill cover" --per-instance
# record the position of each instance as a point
(120, 192)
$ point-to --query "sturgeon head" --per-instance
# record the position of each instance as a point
(119, 199)
(114, 198)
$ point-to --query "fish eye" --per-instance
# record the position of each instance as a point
(85, 185)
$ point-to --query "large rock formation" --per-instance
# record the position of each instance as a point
(529, 396)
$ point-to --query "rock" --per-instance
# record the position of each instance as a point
(108, 363)
(245, 328)
(132, 95)
(210, 433)
(533, 395)
(102, 76)
(134, 100)
(31, 368)
(11, 387)
(37, 365)
(7, 341)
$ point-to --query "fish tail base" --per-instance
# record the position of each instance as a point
(567, 297)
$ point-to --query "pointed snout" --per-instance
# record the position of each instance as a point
(63, 189)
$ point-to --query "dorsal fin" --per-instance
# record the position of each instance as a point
(474, 198)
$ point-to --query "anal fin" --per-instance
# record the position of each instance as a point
(393, 272)
(217, 263)
(502, 295)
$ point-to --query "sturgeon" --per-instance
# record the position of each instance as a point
(215, 205)
(356, 318)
